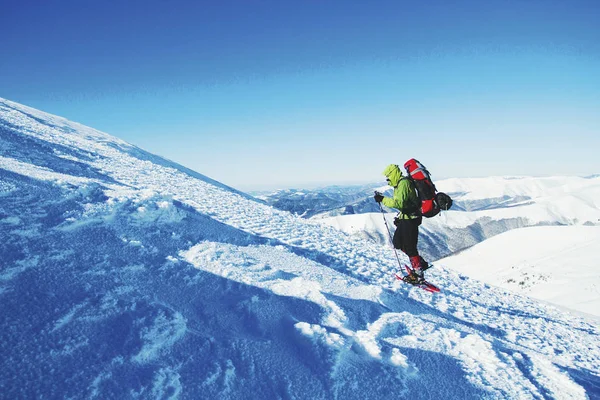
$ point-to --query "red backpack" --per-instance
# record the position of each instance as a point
(431, 201)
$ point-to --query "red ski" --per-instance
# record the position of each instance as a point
(430, 287)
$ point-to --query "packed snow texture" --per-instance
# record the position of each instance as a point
(125, 275)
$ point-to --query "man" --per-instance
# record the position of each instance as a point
(407, 221)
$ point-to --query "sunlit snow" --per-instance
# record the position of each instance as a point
(559, 264)
(125, 275)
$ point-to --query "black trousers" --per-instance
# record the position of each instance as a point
(407, 235)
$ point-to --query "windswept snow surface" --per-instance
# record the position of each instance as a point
(559, 264)
(124, 275)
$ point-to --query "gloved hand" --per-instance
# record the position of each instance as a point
(378, 197)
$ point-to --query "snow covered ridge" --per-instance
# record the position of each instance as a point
(124, 275)
(484, 207)
(325, 201)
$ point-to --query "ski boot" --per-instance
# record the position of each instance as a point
(416, 274)
(413, 278)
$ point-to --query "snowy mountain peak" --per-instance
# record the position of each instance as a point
(126, 275)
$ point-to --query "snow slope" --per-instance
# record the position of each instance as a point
(559, 264)
(124, 275)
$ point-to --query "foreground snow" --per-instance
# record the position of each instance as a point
(559, 264)
(127, 276)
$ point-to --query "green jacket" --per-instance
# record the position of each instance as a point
(405, 196)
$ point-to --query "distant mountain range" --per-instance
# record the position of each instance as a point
(483, 207)
(325, 201)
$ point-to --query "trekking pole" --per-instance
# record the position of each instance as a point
(389, 233)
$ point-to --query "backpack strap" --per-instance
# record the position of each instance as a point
(413, 209)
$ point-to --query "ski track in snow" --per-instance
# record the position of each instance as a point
(508, 346)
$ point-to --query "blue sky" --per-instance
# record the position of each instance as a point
(279, 93)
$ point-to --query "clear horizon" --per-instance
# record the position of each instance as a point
(282, 95)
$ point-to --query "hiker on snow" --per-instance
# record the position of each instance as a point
(407, 221)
